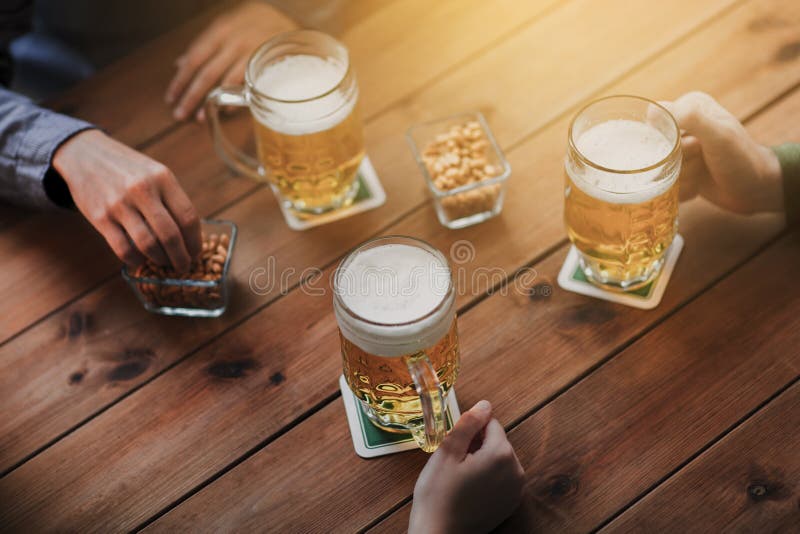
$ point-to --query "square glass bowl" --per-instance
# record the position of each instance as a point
(185, 297)
(471, 203)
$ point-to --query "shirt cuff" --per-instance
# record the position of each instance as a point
(43, 137)
(789, 158)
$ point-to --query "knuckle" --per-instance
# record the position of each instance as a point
(141, 186)
(128, 254)
(116, 208)
(505, 451)
(469, 419)
(100, 217)
(204, 79)
(188, 218)
(172, 239)
(161, 173)
(148, 245)
(193, 60)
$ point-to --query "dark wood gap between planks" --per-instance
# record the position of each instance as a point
(175, 126)
(110, 277)
(722, 435)
(183, 358)
(243, 458)
(471, 57)
(473, 302)
(579, 378)
(603, 361)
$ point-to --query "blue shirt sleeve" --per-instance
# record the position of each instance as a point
(29, 136)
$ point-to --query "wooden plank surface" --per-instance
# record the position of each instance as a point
(127, 98)
(749, 481)
(189, 155)
(43, 269)
(125, 331)
(737, 59)
(199, 417)
(272, 381)
(655, 403)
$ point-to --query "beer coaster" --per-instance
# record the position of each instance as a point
(648, 297)
(370, 441)
(370, 195)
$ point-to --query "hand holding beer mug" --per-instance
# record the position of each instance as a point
(621, 194)
(394, 302)
(472, 482)
(302, 95)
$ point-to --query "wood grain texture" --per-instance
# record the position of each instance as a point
(177, 411)
(205, 169)
(770, 127)
(263, 235)
(127, 98)
(53, 257)
(580, 451)
(569, 333)
(747, 482)
(639, 416)
(728, 59)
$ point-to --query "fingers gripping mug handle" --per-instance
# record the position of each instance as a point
(429, 435)
(235, 158)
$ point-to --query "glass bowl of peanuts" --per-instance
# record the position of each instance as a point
(203, 291)
(463, 166)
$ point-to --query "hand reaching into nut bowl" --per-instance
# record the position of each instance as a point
(199, 292)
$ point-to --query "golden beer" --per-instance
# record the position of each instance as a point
(395, 306)
(309, 139)
(385, 384)
(313, 171)
(621, 190)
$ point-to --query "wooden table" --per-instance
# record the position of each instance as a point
(686, 417)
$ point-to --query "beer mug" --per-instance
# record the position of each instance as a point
(302, 95)
(395, 306)
(621, 190)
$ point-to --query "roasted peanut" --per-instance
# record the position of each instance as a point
(459, 157)
(208, 266)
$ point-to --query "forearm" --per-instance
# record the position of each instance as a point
(29, 136)
(789, 158)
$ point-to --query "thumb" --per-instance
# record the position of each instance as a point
(471, 423)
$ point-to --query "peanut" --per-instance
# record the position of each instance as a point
(208, 266)
(458, 157)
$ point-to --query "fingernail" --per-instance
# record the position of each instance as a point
(199, 116)
(169, 98)
(483, 406)
(179, 114)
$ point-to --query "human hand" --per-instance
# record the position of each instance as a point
(125, 194)
(472, 482)
(219, 55)
(721, 162)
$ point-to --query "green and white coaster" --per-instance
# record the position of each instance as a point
(648, 297)
(369, 440)
(370, 195)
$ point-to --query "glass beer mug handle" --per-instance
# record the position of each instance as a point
(235, 158)
(430, 434)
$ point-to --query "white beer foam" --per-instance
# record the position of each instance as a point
(393, 284)
(302, 77)
(622, 145)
